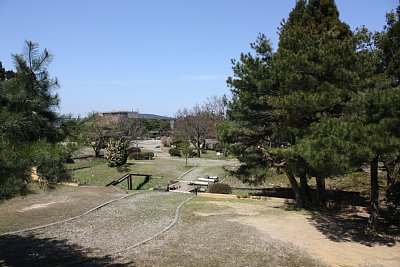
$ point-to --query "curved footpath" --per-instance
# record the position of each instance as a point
(121, 225)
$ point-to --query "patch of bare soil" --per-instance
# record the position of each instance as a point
(210, 232)
(93, 239)
(334, 243)
(209, 235)
(52, 206)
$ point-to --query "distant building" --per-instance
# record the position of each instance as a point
(118, 116)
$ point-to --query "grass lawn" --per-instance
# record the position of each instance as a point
(354, 182)
(96, 172)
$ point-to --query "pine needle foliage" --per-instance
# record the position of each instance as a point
(30, 129)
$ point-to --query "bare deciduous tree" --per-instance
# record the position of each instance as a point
(216, 105)
(195, 125)
(98, 130)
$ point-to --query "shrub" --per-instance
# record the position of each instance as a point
(174, 152)
(219, 188)
(219, 147)
(134, 149)
(116, 153)
(141, 155)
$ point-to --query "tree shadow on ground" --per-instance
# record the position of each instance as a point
(342, 226)
(280, 192)
(336, 197)
(145, 181)
(125, 168)
(28, 250)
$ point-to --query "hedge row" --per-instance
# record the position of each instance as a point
(141, 155)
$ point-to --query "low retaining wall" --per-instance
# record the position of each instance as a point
(329, 205)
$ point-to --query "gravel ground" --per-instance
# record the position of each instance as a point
(94, 236)
(211, 236)
(207, 166)
(94, 239)
(210, 232)
(52, 206)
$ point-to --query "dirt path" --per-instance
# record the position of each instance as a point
(52, 206)
(206, 167)
(208, 235)
(201, 168)
(95, 237)
(300, 229)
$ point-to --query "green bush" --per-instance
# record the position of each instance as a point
(141, 155)
(116, 153)
(174, 152)
(219, 188)
(134, 149)
(193, 154)
(10, 187)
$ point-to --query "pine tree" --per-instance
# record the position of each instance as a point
(249, 109)
(30, 128)
(389, 44)
(376, 106)
(314, 69)
(320, 106)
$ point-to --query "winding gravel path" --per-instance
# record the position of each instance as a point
(204, 167)
(114, 229)
(120, 224)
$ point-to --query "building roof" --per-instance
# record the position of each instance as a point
(118, 112)
(153, 117)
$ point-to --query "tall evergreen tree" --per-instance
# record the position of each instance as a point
(320, 106)
(314, 71)
(249, 108)
(30, 128)
(389, 44)
(255, 124)
(376, 106)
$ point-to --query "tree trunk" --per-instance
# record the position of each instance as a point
(305, 189)
(295, 186)
(97, 152)
(374, 196)
(198, 150)
(224, 150)
(320, 190)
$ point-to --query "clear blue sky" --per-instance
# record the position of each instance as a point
(155, 56)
